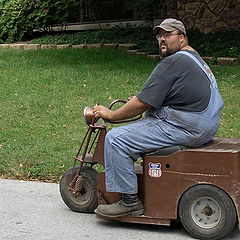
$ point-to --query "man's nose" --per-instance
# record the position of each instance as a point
(161, 40)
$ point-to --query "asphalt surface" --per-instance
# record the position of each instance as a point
(35, 210)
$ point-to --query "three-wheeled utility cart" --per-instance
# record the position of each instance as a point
(198, 186)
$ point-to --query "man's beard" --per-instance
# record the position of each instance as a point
(166, 53)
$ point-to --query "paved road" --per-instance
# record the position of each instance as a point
(34, 210)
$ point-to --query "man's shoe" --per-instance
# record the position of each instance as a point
(128, 205)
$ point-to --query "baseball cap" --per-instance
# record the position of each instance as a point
(170, 24)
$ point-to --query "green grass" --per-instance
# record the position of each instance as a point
(229, 85)
(42, 97)
(43, 94)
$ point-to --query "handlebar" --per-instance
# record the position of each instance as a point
(126, 120)
(89, 117)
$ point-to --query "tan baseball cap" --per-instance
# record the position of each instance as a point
(170, 24)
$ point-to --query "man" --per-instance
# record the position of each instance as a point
(182, 107)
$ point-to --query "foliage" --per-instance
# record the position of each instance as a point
(142, 36)
(207, 45)
(218, 44)
(18, 18)
(151, 9)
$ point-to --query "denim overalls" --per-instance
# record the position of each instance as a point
(164, 127)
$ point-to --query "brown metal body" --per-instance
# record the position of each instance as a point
(216, 163)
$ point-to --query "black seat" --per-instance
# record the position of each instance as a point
(164, 151)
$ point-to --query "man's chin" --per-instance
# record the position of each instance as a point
(165, 53)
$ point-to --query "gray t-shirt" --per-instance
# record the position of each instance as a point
(178, 82)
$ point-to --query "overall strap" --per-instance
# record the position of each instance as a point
(208, 73)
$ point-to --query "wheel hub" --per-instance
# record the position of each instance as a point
(206, 212)
(83, 195)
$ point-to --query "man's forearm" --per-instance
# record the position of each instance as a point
(131, 109)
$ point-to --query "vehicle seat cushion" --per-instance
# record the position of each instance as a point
(165, 151)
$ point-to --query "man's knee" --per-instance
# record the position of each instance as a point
(116, 138)
(110, 136)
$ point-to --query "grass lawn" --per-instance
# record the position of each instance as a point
(43, 94)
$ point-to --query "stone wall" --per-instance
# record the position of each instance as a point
(206, 15)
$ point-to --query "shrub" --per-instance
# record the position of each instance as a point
(221, 44)
(218, 44)
(18, 18)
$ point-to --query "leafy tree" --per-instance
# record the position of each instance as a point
(150, 9)
(19, 18)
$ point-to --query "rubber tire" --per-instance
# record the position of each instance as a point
(226, 222)
(79, 203)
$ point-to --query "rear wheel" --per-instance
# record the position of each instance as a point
(86, 200)
(207, 212)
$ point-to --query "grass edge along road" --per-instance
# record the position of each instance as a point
(43, 94)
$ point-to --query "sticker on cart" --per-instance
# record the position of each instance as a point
(154, 170)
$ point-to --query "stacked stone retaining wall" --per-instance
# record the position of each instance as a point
(206, 15)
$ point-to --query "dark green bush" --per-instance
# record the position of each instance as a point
(142, 36)
(221, 44)
(18, 18)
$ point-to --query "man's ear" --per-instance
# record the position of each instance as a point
(182, 38)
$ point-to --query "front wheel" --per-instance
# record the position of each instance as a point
(207, 212)
(86, 201)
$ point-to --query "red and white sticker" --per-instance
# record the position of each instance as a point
(154, 170)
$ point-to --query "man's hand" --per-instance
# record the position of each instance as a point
(102, 112)
(132, 108)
